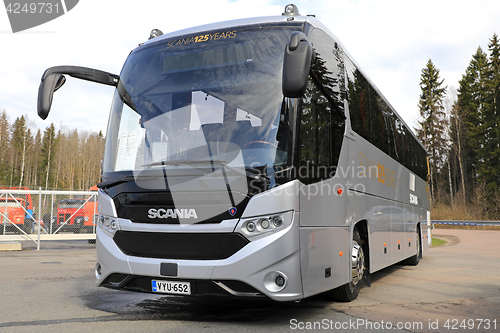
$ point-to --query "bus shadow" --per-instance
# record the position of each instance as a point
(127, 304)
(232, 310)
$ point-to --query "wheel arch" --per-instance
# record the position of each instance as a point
(419, 228)
(364, 233)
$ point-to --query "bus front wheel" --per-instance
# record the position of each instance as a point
(349, 291)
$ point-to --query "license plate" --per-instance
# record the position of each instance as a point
(171, 287)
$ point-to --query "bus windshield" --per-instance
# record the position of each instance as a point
(212, 98)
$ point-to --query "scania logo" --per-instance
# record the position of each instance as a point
(171, 213)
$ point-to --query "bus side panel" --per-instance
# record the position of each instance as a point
(425, 227)
(427, 232)
(401, 219)
(324, 258)
(419, 216)
(377, 212)
(321, 205)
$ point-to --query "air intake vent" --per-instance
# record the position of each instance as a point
(194, 246)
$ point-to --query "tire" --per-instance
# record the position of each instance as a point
(414, 260)
(349, 291)
(27, 226)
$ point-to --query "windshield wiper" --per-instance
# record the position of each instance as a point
(180, 162)
(212, 162)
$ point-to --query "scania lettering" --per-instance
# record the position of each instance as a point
(252, 158)
(172, 213)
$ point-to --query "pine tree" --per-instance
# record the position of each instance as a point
(49, 143)
(432, 127)
(472, 99)
(22, 141)
(4, 147)
(490, 168)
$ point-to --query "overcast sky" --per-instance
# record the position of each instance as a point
(391, 40)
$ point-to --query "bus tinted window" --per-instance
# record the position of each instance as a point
(374, 119)
(321, 126)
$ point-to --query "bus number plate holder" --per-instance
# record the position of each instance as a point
(171, 287)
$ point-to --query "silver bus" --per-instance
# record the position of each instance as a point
(252, 158)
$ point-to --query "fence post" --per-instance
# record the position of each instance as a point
(39, 217)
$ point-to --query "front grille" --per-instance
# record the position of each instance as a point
(63, 218)
(209, 207)
(190, 246)
(198, 287)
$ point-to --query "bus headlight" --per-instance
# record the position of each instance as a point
(277, 221)
(264, 225)
(108, 223)
(250, 226)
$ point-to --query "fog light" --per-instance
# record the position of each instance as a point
(275, 281)
(280, 281)
(101, 219)
(113, 224)
(98, 271)
(251, 226)
(106, 221)
(264, 223)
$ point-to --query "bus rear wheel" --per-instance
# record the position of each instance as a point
(349, 291)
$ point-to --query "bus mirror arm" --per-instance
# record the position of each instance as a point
(54, 78)
(296, 65)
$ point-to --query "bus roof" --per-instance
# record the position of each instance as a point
(230, 24)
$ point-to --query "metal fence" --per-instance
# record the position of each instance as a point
(28, 215)
(466, 222)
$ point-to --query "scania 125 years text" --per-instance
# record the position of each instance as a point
(252, 158)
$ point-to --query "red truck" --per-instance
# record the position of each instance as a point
(12, 213)
(19, 208)
(77, 214)
(69, 214)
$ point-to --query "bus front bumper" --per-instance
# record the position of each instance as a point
(265, 267)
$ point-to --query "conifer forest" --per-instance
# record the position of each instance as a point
(461, 133)
(63, 159)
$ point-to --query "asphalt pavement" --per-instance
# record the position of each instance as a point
(455, 288)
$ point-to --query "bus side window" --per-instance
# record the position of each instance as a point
(321, 135)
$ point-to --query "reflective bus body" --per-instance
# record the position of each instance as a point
(221, 178)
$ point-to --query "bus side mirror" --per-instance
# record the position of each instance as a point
(46, 91)
(53, 79)
(296, 65)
